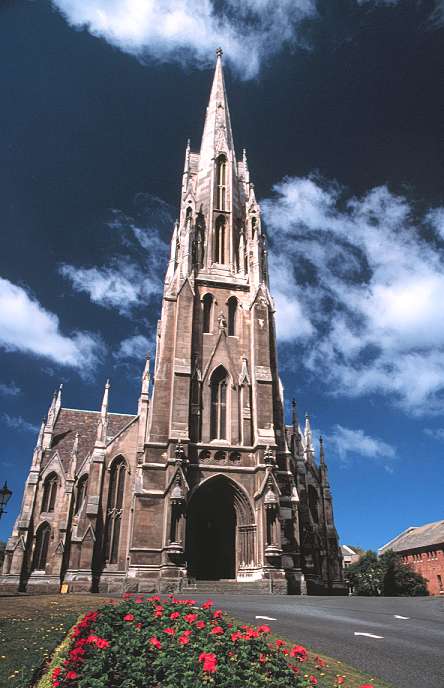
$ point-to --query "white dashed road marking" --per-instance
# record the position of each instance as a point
(267, 618)
(397, 616)
(370, 635)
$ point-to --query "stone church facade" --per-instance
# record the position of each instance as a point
(205, 482)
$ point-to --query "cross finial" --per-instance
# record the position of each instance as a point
(219, 52)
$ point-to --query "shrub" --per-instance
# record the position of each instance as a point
(175, 644)
(385, 575)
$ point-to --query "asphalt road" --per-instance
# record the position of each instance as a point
(410, 653)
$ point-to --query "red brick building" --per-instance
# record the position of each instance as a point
(422, 548)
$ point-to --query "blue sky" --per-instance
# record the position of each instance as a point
(340, 110)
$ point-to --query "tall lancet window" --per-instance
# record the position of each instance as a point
(232, 309)
(219, 245)
(221, 183)
(49, 493)
(41, 547)
(207, 307)
(114, 510)
(219, 387)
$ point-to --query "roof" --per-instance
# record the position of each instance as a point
(348, 551)
(416, 537)
(70, 421)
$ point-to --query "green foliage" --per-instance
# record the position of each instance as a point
(399, 579)
(385, 575)
(152, 644)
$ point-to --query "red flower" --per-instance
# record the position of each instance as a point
(184, 639)
(262, 658)
(313, 680)
(98, 642)
(138, 601)
(217, 614)
(190, 618)
(294, 668)
(237, 635)
(158, 608)
(299, 652)
(56, 673)
(155, 642)
(169, 631)
(280, 643)
(320, 662)
(340, 680)
(174, 615)
(154, 598)
(367, 685)
(200, 625)
(128, 617)
(264, 629)
(209, 660)
(72, 675)
(207, 604)
(217, 630)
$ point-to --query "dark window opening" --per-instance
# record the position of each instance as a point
(41, 548)
(114, 510)
(207, 302)
(232, 309)
(218, 425)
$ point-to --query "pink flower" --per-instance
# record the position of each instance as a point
(184, 639)
(217, 630)
(237, 635)
(155, 642)
(209, 660)
(128, 617)
(174, 615)
(169, 631)
(217, 614)
(200, 625)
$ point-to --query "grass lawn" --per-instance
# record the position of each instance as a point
(31, 627)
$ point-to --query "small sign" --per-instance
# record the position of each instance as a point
(64, 588)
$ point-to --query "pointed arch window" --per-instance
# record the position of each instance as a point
(219, 247)
(81, 494)
(221, 182)
(232, 312)
(207, 307)
(49, 493)
(219, 387)
(313, 503)
(41, 547)
(114, 510)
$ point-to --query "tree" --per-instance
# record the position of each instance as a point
(399, 579)
(385, 575)
(365, 576)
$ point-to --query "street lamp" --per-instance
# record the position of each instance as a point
(5, 495)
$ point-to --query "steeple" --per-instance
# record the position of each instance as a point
(103, 422)
(217, 135)
(309, 449)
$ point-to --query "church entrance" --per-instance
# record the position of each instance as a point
(211, 531)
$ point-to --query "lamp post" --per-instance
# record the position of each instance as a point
(5, 495)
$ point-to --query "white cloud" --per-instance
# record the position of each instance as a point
(27, 327)
(18, 423)
(189, 31)
(435, 433)
(136, 347)
(347, 443)
(122, 286)
(366, 287)
(9, 390)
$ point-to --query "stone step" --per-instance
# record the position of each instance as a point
(227, 586)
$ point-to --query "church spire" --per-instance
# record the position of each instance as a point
(217, 135)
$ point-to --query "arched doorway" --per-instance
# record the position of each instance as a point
(211, 531)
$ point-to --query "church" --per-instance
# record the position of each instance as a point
(206, 487)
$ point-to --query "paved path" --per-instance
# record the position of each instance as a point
(410, 653)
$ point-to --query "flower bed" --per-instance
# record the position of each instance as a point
(172, 643)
